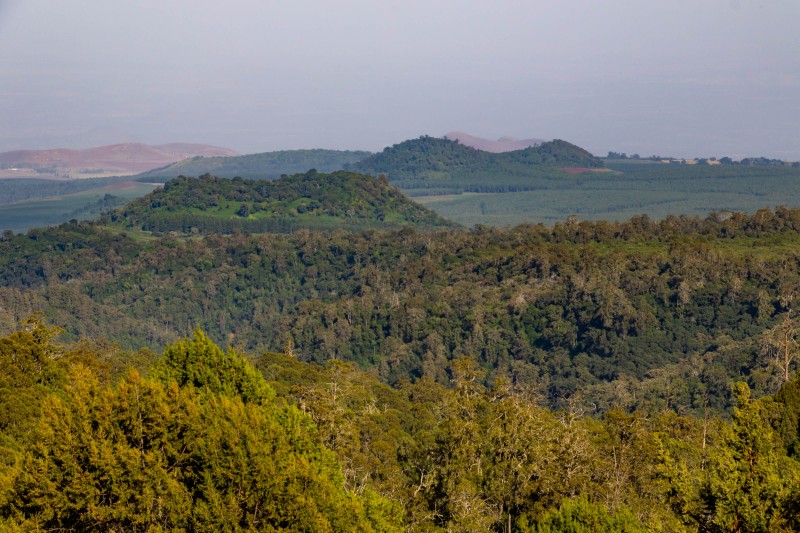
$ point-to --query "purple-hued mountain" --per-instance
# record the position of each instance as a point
(123, 158)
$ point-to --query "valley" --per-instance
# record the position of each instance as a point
(603, 374)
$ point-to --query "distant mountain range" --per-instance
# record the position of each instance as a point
(166, 161)
(267, 165)
(503, 144)
(126, 158)
(422, 167)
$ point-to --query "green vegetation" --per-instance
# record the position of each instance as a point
(632, 189)
(52, 210)
(29, 203)
(268, 165)
(214, 453)
(19, 190)
(216, 441)
(445, 166)
(556, 180)
(547, 184)
(589, 376)
(644, 315)
(310, 201)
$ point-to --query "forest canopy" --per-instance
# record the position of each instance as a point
(209, 204)
(643, 314)
(204, 439)
(636, 376)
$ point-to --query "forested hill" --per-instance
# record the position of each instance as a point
(654, 315)
(267, 165)
(429, 163)
(311, 201)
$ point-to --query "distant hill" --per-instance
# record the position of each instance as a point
(268, 165)
(312, 200)
(503, 144)
(443, 165)
(125, 158)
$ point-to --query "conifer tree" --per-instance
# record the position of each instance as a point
(750, 484)
(202, 448)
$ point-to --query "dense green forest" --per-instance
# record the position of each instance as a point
(645, 314)
(201, 444)
(95, 438)
(267, 165)
(311, 201)
(586, 376)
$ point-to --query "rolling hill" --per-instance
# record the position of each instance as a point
(312, 200)
(620, 376)
(126, 158)
(443, 165)
(267, 165)
(550, 182)
(631, 332)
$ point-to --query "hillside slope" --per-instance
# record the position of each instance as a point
(125, 158)
(311, 200)
(267, 165)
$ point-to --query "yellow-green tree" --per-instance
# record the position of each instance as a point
(750, 484)
(146, 455)
(29, 371)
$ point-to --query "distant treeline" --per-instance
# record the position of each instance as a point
(747, 161)
(101, 205)
(437, 188)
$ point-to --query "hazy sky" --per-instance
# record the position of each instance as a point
(668, 77)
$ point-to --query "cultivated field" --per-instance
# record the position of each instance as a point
(633, 189)
(21, 216)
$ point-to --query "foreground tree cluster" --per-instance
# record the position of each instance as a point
(98, 439)
(202, 444)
